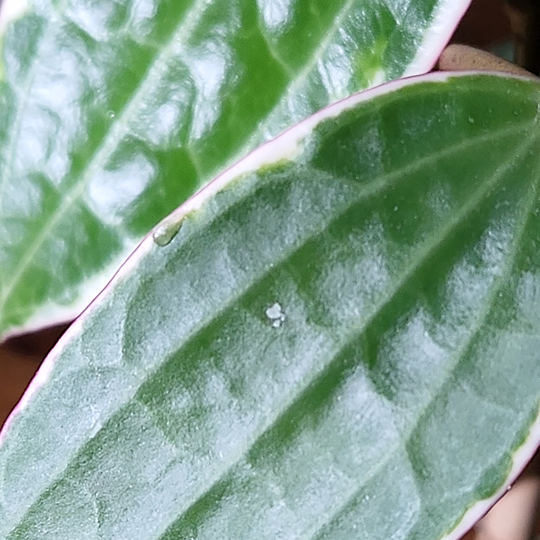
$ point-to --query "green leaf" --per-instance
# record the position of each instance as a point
(113, 112)
(342, 340)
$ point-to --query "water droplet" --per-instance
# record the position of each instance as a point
(471, 120)
(164, 233)
(396, 208)
(275, 314)
(516, 113)
(110, 114)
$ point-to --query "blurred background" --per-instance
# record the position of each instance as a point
(509, 29)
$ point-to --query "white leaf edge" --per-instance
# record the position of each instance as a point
(437, 36)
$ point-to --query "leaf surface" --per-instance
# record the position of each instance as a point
(340, 342)
(113, 112)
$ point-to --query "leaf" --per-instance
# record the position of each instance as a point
(341, 341)
(114, 112)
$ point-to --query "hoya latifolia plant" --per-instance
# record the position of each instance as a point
(337, 338)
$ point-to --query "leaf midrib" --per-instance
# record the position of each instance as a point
(424, 252)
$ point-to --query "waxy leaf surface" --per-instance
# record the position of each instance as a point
(341, 342)
(113, 112)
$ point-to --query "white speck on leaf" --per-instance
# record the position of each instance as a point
(275, 314)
